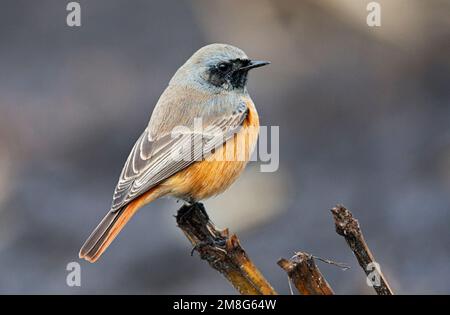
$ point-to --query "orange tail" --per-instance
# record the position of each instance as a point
(110, 227)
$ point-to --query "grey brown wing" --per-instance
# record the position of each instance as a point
(152, 161)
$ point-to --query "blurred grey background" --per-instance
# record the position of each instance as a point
(364, 116)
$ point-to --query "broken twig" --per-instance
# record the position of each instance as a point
(348, 227)
(305, 275)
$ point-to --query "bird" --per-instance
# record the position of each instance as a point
(210, 90)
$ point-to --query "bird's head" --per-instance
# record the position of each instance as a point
(218, 66)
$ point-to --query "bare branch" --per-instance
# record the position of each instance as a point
(305, 275)
(348, 227)
(223, 252)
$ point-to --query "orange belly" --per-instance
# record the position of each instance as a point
(215, 174)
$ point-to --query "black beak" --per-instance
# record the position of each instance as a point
(255, 64)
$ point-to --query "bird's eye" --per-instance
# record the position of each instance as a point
(224, 67)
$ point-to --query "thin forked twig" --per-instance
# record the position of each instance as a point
(343, 266)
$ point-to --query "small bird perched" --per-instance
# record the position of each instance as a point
(210, 86)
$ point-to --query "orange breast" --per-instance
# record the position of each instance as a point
(215, 174)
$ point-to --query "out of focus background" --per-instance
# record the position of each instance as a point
(364, 116)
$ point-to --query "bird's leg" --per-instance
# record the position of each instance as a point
(202, 209)
(187, 210)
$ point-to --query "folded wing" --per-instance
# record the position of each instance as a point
(153, 160)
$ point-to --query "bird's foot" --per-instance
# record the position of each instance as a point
(217, 243)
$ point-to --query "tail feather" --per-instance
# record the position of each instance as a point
(106, 232)
(112, 224)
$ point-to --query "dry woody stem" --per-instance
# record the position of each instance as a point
(222, 251)
(348, 227)
(305, 275)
